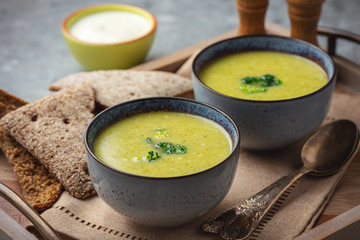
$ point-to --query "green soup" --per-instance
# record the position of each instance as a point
(241, 75)
(163, 144)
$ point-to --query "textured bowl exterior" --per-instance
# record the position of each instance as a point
(169, 201)
(266, 125)
(109, 56)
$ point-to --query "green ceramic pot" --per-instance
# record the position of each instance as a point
(120, 55)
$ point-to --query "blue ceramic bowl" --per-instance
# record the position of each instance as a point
(268, 125)
(161, 201)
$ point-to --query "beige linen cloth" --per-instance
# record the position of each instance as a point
(93, 219)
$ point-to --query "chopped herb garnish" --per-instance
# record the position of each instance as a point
(170, 148)
(259, 84)
(166, 147)
(180, 149)
(269, 80)
(250, 80)
(151, 156)
(163, 145)
(252, 89)
(161, 133)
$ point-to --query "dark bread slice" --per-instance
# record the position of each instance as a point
(9, 103)
(39, 187)
(52, 130)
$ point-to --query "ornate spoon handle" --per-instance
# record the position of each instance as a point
(241, 220)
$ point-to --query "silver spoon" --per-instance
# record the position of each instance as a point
(323, 154)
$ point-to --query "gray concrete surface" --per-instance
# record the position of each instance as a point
(33, 53)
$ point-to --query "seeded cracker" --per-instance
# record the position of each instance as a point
(39, 187)
(116, 86)
(52, 130)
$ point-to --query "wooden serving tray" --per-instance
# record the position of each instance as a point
(346, 198)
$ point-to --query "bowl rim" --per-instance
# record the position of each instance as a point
(68, 34)
(236, 145)
(327, 85)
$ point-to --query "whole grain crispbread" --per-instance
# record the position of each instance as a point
(40, 188)
(52, 130)
(116, 86)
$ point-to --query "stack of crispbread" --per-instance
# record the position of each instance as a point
(40, 188)
(43, 140)
(51, 129)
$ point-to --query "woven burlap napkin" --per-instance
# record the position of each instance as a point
(93, 219)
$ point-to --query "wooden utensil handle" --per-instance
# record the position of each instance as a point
(251, 16)
(46, 231)
(304, 16)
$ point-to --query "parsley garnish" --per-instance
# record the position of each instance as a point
(259, 84)
(170, 148)
(161, 133)
(269, 80)
(252, 89)
(166, 147)
(151, 156)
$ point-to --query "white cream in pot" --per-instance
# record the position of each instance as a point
(110, 27)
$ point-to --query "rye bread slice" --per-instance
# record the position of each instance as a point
(52, 130)
(40, 188)
(116, 86)
(9, 103)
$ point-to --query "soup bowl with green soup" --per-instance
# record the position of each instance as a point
(277, 89)
(162, 161)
